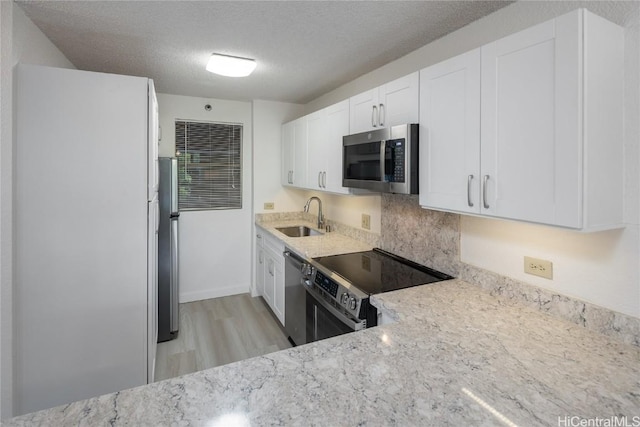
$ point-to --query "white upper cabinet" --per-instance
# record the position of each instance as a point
(316, 145)
(391, 104)
(337, 126)
(300, 153)
(550, 135)
(313, 145)
(288, 152)
(399, 102)
(450, 134)
(325, 131)
(364, 111)
(294, 153)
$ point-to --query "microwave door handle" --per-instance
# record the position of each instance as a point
(383, 153)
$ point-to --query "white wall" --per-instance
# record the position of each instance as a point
(268, 117)
(20, 41)
(602, 268)
(214, 245)
(31, 46)
(346, 209)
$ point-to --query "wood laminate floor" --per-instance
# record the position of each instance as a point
(218, 331)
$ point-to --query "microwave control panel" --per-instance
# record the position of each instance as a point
(395, 167)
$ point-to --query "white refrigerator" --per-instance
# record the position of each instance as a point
(85, 224)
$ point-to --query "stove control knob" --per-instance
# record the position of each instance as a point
(306, 270)
(344, 299)
(352, 303)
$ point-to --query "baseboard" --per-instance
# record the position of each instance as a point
(214, 293)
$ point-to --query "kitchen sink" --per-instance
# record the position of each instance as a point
(298, 231)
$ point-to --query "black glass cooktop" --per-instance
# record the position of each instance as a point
(378, 271)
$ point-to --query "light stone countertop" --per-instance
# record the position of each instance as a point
(455, 356)
(331, 243)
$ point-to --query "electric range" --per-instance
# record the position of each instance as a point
(339, 286)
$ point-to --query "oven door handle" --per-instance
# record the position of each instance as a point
(356, 326)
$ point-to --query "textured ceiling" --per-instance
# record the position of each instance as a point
(303, 48)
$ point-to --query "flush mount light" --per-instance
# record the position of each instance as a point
(230, 66)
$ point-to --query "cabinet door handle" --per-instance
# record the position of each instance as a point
(324, 179)
(469, 202)
(319, 179)
(374, 113)
(484, 192)
(292, 177)
(381, 117)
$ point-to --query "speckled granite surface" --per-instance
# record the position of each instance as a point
(457, 356)
(312, 246)
(590, 316)
(432, 238)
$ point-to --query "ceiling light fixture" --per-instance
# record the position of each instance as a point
(230, 66)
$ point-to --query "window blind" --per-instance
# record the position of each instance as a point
(209, 165)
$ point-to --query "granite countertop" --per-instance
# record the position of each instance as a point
(456, 356)
(329, 243)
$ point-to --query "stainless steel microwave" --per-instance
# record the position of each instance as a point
(384, 160)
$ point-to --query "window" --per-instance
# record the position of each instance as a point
(209, 165)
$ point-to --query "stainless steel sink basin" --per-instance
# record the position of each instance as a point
(298, 231)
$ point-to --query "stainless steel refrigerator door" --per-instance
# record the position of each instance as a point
(174, 300)
(174, 187)
(168, 282)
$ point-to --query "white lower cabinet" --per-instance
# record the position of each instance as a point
(260, 263)
(278, 291)
(269, 280)
(529, 127)
(270, 272)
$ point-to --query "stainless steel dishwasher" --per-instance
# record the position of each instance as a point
(296, 270)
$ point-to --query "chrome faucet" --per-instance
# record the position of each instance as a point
(320, 216)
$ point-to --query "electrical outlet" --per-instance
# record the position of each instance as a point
(538, 267)
(269, 206)
(366, 221)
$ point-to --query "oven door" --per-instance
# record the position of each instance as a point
(324, 320)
